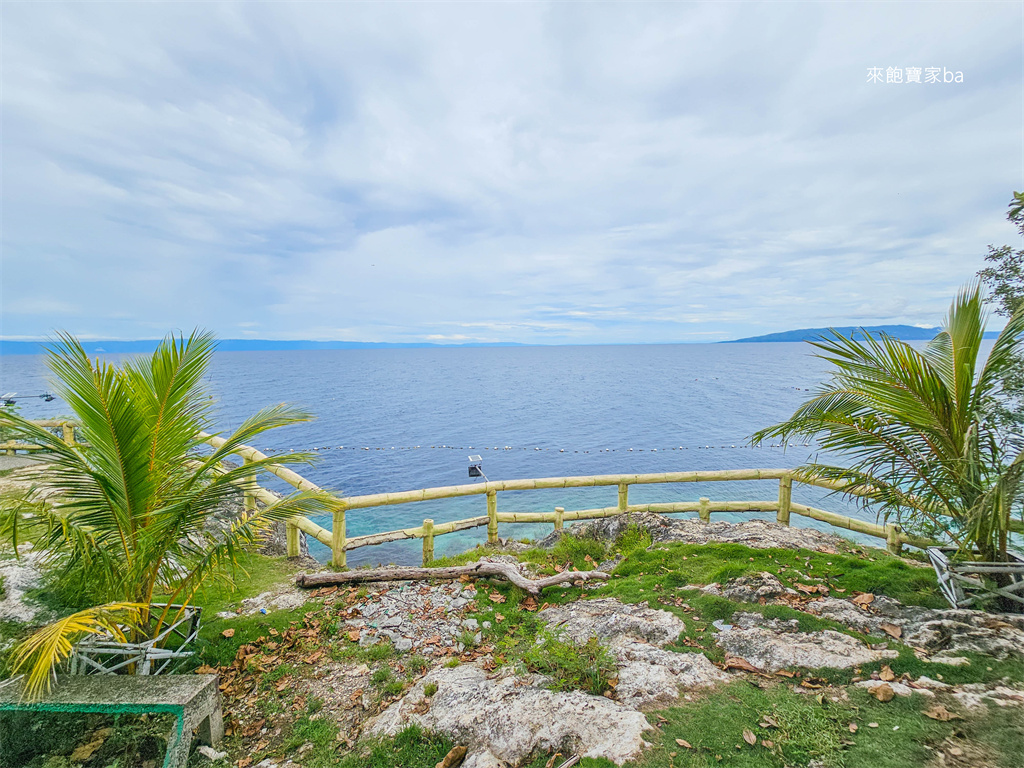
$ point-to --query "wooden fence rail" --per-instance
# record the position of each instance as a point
(339, 543)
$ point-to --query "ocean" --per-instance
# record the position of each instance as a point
(402, 419)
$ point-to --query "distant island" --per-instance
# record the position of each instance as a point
(146, 346)
(904, 332)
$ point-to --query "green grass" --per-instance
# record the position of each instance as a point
(807, 728)
(587, 667)
(668, 566)
(412, 748)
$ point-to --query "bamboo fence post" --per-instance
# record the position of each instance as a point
(248, 495)
(705, 509)
(785, 498)
(292, 538)
(492, 517)
(559, 517)
(428, 542)
(893, 540)
(68, 433)
(338, 539)
(623, 497)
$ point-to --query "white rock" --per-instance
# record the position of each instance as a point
(650, 676)
(505, 720)
(900, 689)
(211, 754)
(927, 682)
(772, 650)
(611, 621)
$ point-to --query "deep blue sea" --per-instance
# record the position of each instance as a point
(408, 419)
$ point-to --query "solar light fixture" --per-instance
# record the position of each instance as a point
(476, 467)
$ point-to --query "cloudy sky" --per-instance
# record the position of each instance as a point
(528, 172)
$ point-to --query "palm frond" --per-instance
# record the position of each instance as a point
(45, 648)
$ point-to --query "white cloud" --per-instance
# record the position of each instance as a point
(527, 172)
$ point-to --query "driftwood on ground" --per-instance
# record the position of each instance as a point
(505, 571)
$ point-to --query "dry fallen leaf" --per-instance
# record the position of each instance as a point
(749, 737)
(283, 684)
(496, 597)
(853, 727)
(767, 743)
(684, 743)
(883, 692)
(940, 713)
(228, 633)
(453, 758)
(863, 599)
(499, 617)
(353, 635)
(886, 674)
(891, 630)
(736, 662)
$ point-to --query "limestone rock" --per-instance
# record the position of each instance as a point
(959, 631)
(900, 689)
(612, 621)
(504, 720)
(753, 589)
(978, 696)
(760, 534)
(772, 645)
(650, 677)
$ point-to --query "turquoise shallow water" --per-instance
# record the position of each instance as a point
(528, 411)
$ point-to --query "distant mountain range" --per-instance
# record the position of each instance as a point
(229, 345)
(905, 332)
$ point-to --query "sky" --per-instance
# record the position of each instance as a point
(548, 173)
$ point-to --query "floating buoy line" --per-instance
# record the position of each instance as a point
(549, 450)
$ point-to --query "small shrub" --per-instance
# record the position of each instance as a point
(452, 663)
(394, 688)
(381, 676)
(418, 664)
(586, 667)
(429, 689)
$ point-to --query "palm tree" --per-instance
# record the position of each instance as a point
(914, 428)
(128, 504)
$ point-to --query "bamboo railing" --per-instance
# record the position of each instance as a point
(340, 544)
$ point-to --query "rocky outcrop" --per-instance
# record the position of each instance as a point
(773, 644)
(760, 534)
(648, 675)
(413, 616)
(761, 587)
(943, 632)
(969, 631)
(505, 719)
(611, 621)
(19, 575)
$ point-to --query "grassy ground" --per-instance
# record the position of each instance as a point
(789, 725)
